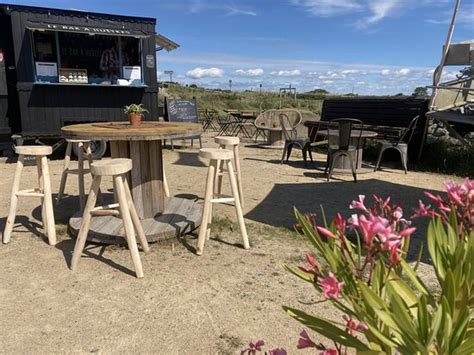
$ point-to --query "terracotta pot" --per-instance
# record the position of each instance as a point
(135, 118)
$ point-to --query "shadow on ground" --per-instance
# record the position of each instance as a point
(276, 208)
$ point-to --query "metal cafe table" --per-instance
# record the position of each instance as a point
(342, 164)
(162, 218)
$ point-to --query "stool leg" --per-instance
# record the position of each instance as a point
(135, 219)
(88, 152)
(209, 220)
(80, 175)
(238, 209)
(207, 207)
(62, 184)
(239, 176)
(48, 202)
(128, 225)
(86, 221)
(14, 200)
(220, 175)
(166, 188)
(41, 187)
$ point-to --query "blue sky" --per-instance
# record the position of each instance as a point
(369, 46)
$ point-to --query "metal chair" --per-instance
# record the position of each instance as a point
(300, 142)
(400, 145)
(347, 143)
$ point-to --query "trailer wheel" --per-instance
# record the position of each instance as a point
(98, 149)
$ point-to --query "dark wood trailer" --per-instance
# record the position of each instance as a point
(63, 67)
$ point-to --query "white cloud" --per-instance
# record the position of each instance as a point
(229, 9)
(404, 71)
(381, 9)
(328, 8)
(198, 73)
(350, 71)
(249, 72)
(385, 72)
(295, 72)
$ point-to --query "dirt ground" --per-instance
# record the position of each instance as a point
(186, 304)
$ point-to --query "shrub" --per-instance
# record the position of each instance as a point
(360, 267)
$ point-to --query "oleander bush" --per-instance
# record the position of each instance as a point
(359, 265)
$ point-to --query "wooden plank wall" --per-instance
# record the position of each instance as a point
(390, 112)
(45, 108)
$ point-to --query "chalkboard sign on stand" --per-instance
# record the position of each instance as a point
(182, 110)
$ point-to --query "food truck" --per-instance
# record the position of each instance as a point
(61, 67)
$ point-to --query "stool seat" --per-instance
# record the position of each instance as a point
(216, 154)
(111, 167)
(33, 150)
(227, 140)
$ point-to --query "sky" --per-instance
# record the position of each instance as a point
(371, 47)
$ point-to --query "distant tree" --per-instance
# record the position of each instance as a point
(399, 94)
(319, 91)
(420, 91)
(194, 86)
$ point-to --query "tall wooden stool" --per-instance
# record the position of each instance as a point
(117, 168)
(84, 151)
(43, 191)
(219, 156)
(230, 143)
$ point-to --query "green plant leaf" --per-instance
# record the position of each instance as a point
(327, 329)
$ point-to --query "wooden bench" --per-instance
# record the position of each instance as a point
(389, 117)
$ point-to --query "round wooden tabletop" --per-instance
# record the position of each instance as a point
(119, 131)
(355, 133)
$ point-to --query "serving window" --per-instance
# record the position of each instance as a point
(80, 58)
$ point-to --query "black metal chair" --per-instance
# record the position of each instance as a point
(343, 141)
(300, 142)
(399, 144)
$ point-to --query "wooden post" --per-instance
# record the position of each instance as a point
(48, 201)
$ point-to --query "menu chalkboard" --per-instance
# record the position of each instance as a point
(180, 110)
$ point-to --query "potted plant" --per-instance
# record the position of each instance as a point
(135, 113)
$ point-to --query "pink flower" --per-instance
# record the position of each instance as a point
(358, 204)
(340, 223)
(381, 202)
(314, 270)
(305, 341)
(352, 326)
(331, 287)
(397, 214)
(253, 348)
(394, 255)
(455, 193)
(354, 221)
(407, 232)
(326, 232)
(331, 351)
(278, 351)
(423, 210)
(372, 226)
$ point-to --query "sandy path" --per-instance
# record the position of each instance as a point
(185, 304)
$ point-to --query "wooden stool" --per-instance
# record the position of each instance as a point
(219, 156)
(43, 191)
(231, 143)
(117, 168)
(84, 151)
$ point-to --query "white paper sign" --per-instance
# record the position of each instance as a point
(46, 69)
(132, 72)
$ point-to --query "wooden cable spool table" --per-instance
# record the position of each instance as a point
(162, 218)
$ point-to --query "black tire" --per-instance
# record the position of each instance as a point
(98, 149)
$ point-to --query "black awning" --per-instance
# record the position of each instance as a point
(165, 43)
(90, 30)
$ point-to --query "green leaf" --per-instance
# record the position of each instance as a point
(466, 348)
(415, 279)
(300, 273)
(327, 329)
